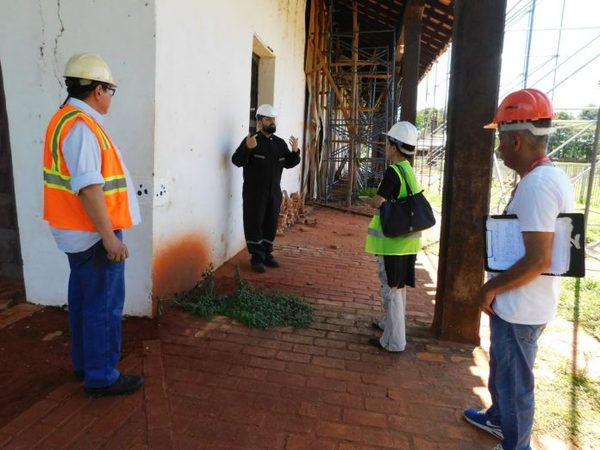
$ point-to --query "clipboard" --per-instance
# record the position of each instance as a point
(504, 244)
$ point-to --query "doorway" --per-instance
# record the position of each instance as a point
(11, 265)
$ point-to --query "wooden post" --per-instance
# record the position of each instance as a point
(411, 26)
(474, 78)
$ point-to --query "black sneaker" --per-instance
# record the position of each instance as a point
(271, 262)
(125, 385)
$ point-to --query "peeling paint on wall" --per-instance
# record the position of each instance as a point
(179, 264)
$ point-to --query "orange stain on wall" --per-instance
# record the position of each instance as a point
(178, 265)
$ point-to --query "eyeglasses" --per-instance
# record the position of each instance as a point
(110, 90)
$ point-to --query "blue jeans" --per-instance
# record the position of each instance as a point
(96, 298)
(513, 349)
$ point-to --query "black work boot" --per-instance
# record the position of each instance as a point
(257, 264)
(125, 384)
(270, 261)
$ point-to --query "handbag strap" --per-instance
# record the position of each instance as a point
(402, 175)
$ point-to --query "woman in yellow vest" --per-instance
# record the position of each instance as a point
(395, 256)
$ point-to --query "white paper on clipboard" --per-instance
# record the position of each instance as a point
(505, 244)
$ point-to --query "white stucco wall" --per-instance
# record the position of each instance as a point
(180, 111)
(36, 39)
(203, 74)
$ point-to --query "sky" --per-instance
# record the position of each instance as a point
(577, 64)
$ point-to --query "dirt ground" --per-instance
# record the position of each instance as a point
(35, 356)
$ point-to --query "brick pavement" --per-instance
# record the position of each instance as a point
(217, 384)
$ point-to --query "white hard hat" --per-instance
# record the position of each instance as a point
(266, 110)
(89, 66)
(404, 133)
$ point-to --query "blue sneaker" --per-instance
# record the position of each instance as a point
(480, 420)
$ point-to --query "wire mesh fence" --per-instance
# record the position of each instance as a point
(431, 178)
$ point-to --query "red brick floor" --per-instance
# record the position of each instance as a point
(217, 384)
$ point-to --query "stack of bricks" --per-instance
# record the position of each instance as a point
(292, 208)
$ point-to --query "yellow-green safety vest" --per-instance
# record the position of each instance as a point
(409, 244)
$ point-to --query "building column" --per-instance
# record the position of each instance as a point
(411, 26)
(477, 40)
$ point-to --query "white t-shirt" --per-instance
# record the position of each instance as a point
(82, 155)
(540, 196)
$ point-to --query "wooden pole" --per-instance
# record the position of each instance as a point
(410, 62)
(474, 77)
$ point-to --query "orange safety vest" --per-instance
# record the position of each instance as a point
(62, 206)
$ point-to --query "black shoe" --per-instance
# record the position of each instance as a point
(125, 384)
(79, 374)
(259, 268)
(271, 262)
(375, 343)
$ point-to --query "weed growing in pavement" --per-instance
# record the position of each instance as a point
(251, 307)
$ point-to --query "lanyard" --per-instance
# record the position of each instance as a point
(538, 162)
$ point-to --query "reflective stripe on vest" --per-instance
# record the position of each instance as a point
(377, 243)
(62, 207)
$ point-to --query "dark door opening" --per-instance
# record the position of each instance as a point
(11, 265)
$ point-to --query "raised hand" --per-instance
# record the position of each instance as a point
(251, 141)
(294, 143)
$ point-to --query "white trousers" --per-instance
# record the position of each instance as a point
(393, 301)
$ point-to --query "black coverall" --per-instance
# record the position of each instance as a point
(261, 192)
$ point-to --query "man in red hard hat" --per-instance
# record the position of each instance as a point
(521, 301)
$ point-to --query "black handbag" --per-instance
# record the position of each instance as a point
(405, 215)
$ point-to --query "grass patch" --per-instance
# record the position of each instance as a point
(588, 304)
(367, 192)
(568, 405)
(568, 397)
(434, 197)
(249, 306)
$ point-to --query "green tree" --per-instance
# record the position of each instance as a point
(580, 148)
(429, 119)
(589, 113)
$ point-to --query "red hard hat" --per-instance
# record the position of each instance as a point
(525, 105)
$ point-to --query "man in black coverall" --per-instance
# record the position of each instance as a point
(263, 157)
